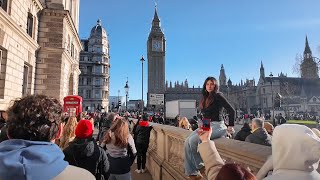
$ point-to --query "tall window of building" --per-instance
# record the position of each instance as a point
(97, 83)
(3, 67)
(26, 81)
(98, 49)
(90, 58)
(4, 5)
(89, 69)
(97, 94)
(98, 69)
(30, 24)
(88, 81)
(88, 94)
(80, 92)
(72, 49)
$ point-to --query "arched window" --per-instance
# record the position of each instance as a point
(4, 5)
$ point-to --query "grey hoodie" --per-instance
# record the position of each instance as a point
(295, 154)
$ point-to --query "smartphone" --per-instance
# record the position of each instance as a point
(206, 124)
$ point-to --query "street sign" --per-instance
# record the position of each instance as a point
(156, 99)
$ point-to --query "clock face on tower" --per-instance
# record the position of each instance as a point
(156, 45)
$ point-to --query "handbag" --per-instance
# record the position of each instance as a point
(99, 175)
(131, 155)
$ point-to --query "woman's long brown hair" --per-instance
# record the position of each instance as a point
(207, 98)
(121, 133)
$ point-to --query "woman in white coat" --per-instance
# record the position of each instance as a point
(295, 154)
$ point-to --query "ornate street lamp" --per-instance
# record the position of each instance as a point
(142, 60)
(272, 101)
(126, 88)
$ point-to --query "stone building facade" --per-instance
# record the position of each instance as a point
(299, 94)
(34, 52)
(95, 70)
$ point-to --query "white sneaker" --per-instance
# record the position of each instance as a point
(143, 170)
(138, 171)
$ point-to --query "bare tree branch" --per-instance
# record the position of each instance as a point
(296, 67)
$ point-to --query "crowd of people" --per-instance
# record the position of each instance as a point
(39, 142)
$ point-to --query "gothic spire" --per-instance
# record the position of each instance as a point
(156, 20)
(262, 74)
(307, 49)
(155, 17)
(261, 67)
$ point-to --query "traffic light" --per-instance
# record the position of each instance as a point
(119, 103)
(197, 104)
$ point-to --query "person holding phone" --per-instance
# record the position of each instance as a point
(212, 105)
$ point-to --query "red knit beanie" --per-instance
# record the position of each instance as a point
(84, 129)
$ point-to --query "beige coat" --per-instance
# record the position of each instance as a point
(211, 158)
(72, 172)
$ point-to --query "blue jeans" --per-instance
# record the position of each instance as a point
(193, 161)
(126, 176)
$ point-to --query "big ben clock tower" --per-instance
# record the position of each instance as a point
(156, 58)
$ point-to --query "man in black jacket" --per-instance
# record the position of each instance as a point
(142, 142)
(259, 134)
(243, 133)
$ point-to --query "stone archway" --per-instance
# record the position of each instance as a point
(70, 84)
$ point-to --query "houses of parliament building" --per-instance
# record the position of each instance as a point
(299, 94)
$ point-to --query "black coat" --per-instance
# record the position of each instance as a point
(259, 136)
(243, 133)
(85, 153)
(215, 110)
(143, 134)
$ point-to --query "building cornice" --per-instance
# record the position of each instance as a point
(66, 14)
(9, 23)
(37, 4)
(74, 30)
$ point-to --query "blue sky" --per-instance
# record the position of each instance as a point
(202, 35)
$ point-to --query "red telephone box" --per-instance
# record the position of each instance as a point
(72, 105)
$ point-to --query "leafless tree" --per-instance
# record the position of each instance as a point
(288, 92)
(296, 67)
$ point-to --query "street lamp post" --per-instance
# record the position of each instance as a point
(126, 88)
(118, 100)
(142, 60)
(272, 101)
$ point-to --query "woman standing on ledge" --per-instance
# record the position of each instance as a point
(211, 105)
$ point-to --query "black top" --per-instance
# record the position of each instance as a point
(86, 154)
(143, 134)
(243, 133)
(215, 110)
(259, 136)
